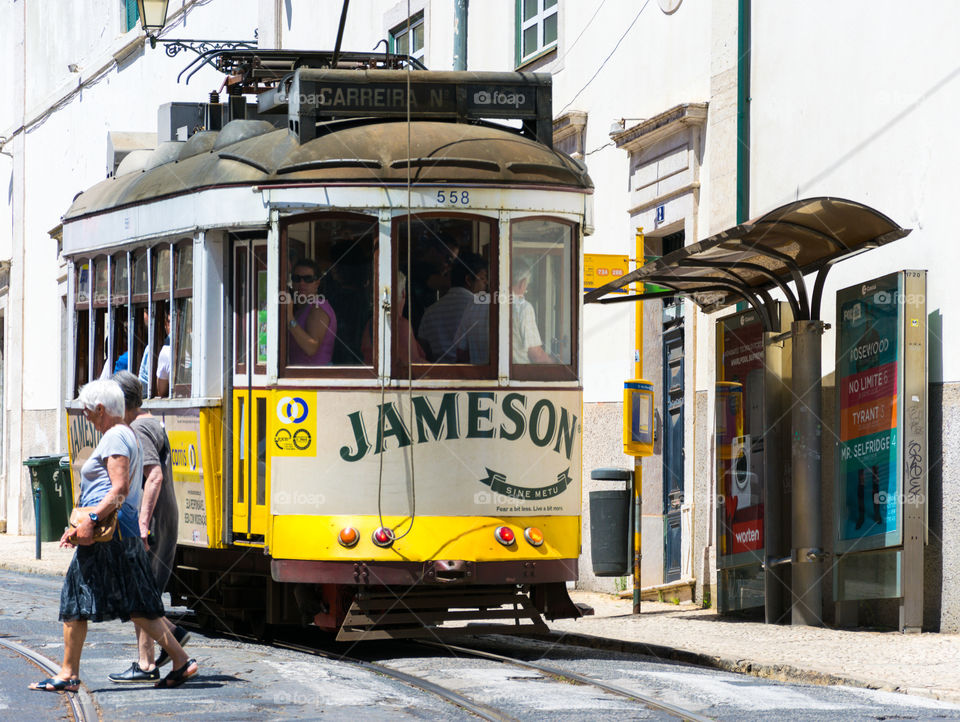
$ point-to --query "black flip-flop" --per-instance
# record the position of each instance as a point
(177, 677)
(52, 684)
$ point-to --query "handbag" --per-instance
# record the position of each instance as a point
(103, 530)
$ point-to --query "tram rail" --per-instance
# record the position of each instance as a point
(574, 677)
(456, 697)
(78, 706)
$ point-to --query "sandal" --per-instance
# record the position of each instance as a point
(53, 684)
(178, 676)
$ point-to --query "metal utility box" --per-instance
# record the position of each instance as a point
(638, 417)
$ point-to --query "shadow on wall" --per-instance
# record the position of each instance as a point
(933, 552)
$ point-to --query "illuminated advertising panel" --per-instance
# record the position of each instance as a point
(740, 439)
(872, 380)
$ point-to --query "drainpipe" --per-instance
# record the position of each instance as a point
(743, 110)
(460, 34)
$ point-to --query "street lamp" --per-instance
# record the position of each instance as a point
(153, 16)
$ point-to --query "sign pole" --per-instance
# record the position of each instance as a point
(638, 461)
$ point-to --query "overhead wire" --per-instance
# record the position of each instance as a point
(607, 59)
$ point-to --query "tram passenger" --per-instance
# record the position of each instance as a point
(163, 359)
(438, 328)
(401, 330)
(433, 258)
(158, 520)
(311, 322)
(527, 347)
(111, 579)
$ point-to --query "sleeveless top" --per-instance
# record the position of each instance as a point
(296, 355)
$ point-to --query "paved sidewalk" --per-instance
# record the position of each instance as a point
(925, 664)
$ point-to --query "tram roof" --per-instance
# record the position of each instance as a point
(362, 151)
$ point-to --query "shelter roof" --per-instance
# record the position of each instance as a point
(748, 261)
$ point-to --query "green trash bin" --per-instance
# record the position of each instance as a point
(53, 490)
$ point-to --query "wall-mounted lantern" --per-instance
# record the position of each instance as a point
(153, 16)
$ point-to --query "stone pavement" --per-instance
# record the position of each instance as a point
(925, 664)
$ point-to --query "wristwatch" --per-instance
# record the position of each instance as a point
(293, 323)
(94, 517)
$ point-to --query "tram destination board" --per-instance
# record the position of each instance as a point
(440, 95)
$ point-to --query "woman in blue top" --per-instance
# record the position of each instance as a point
(110, 580)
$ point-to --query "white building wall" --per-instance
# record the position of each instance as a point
(57, 125)
(869, 120)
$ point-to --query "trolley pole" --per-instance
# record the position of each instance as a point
(807, 607)
(638, 461)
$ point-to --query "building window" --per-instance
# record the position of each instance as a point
(407, 38)
(131, 15)
(536, 28)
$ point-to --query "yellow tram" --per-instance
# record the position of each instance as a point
(373, 483)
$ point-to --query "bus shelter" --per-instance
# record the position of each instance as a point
(763, 264)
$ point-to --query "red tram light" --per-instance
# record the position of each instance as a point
(348, 537)
(533, 536)
(505, 535)
(383, 537)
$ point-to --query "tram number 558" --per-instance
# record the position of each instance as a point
(453, 198)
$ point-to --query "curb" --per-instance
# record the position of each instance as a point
(776, 672)
(25, 568)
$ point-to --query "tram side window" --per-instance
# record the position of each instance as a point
(183, 295)
(327, 300)
(162, 361)
(450, 269)
(141, 320)
(100, 305)
(541, 293)
(118, 311)
(81, 330)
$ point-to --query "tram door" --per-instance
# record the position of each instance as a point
(251, 482)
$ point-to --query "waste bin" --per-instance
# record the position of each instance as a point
(52, 489)
(610, 533)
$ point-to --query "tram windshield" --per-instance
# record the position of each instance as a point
(449, 271)
(327, 299)
(541, 292)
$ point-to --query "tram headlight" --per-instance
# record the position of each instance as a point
(383, 537)
(505, 535)
(348, 537)
(533, 536)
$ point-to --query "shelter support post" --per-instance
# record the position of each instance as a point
(807, 600)
(774, 584)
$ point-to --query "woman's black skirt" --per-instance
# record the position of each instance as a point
(110, 580)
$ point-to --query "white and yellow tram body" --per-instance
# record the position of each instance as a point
(284, 471)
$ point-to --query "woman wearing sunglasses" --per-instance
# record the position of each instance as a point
(311, 322)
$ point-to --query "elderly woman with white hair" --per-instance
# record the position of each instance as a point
(111, 579)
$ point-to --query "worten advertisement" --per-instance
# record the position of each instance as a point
(428, 448)
(739, 439)
(872, 378)
(183, 431)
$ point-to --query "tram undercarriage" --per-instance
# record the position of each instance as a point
(244, 590)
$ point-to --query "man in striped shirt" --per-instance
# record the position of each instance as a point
(438, 327)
